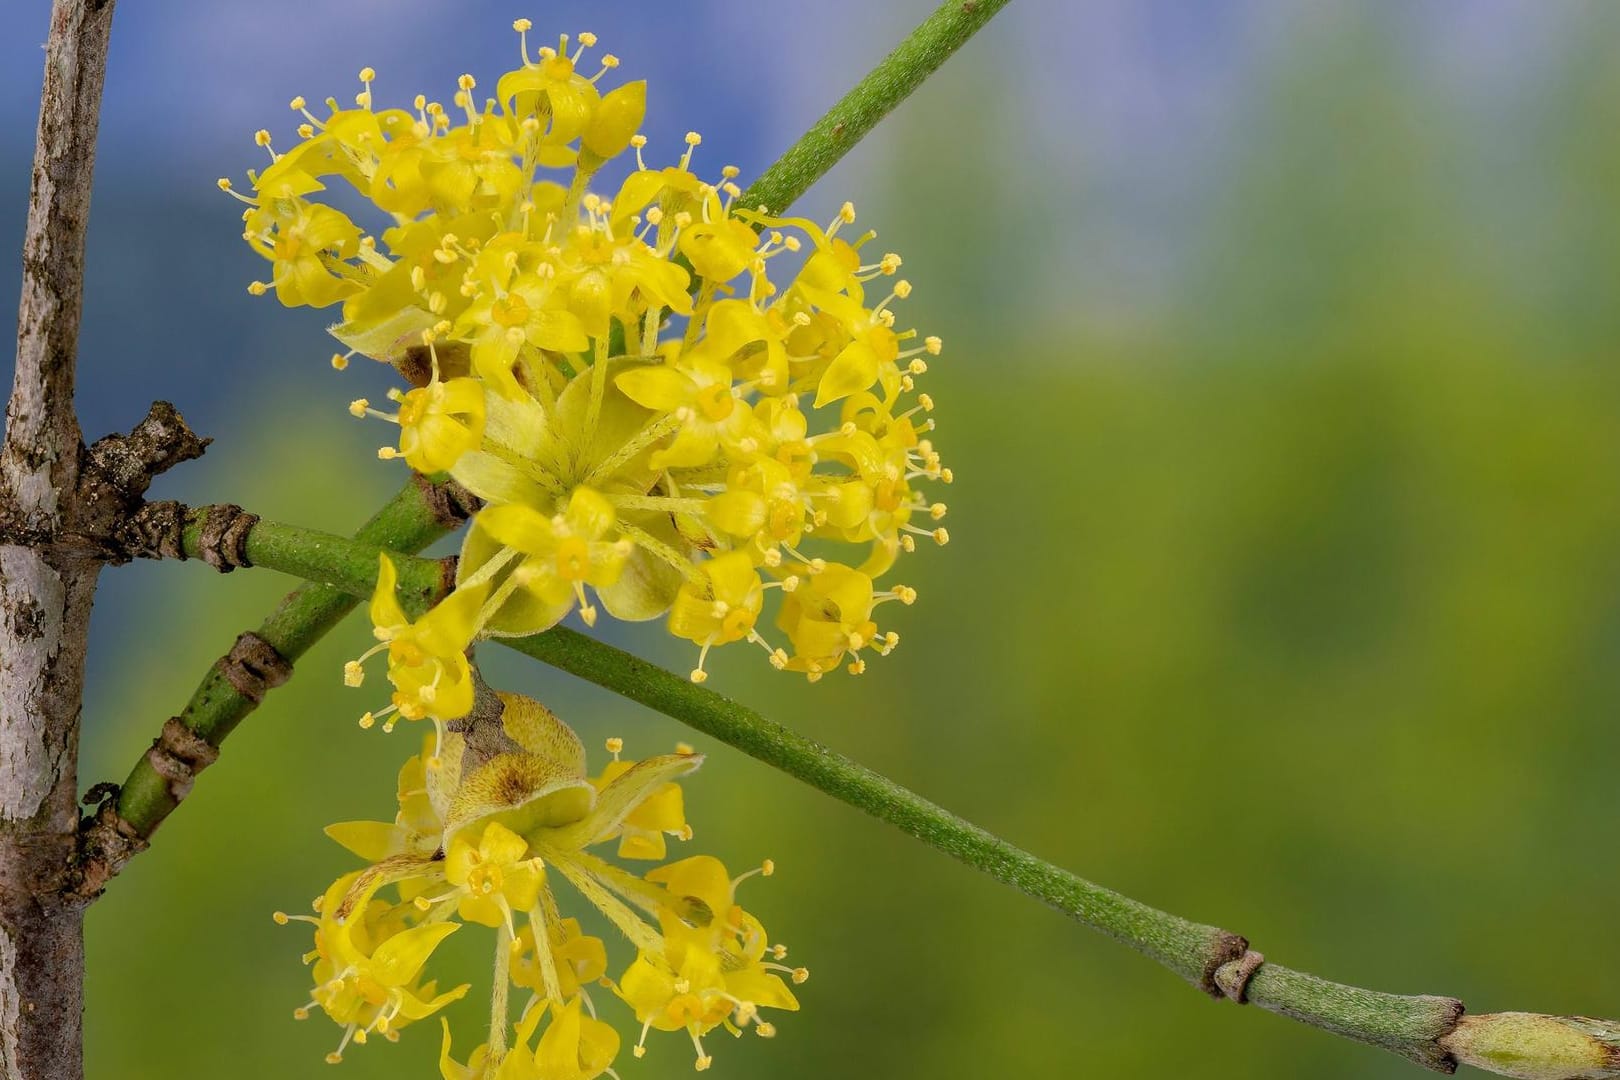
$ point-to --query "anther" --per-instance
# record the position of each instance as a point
(933, 345)
(279, 918)
(615, 745)
(358, 407)
(368, 74)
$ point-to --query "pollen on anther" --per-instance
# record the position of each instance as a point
(694, 139)
(522, 26)
(685, 749)
(933, 345)
(698, 675)
(279, 918)
(358, 407)
(615, 745)
(768, 867)
(368, 74)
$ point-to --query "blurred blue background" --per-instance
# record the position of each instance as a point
(1281, 389)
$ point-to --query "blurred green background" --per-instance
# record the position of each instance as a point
(1284, 590)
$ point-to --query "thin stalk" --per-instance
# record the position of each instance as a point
(873, 98)
(1428, 1030)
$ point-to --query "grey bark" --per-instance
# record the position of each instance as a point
(46, 586)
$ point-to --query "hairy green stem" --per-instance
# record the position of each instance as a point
(873, 98)
(1428, 1030)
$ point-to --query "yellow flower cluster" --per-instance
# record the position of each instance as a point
(488, 819)
(659, 421)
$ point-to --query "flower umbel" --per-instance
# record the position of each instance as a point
(487, 825)
(672, 404)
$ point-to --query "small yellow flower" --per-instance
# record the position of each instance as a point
(552, 559)
(427, 659)
(573, 1047)
(578, 958)
(494, 876)
(368, 963)
(712, 969)
(663, 812)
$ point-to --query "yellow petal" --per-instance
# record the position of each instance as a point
(517, 526)
(657, 387)
(385, 610)
(398, 960)
(617, 118)
(373, 841)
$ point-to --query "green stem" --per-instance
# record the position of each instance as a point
(1424, 1029)
(408, 522)
(873, 98)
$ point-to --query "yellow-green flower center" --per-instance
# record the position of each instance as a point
(573, 559)
(716, 401)
(510, 310)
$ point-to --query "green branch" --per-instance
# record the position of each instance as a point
(233, 688)
(873, 98)
(1428, 1030)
